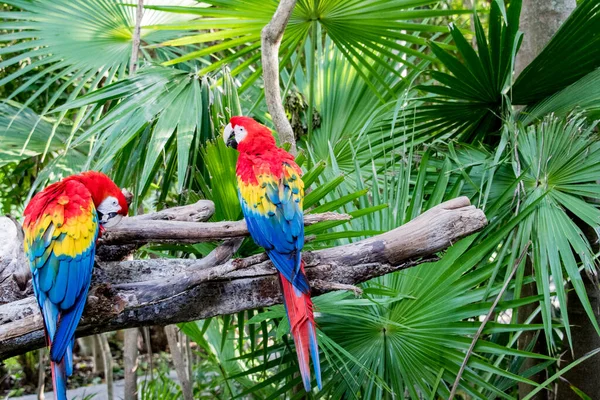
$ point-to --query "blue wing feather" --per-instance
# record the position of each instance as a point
(61, 283)
(279, 232)
(58, 290)
(71, 313)
(68, 323)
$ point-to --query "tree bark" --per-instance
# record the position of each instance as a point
(271, 36)
(178, 361)
(108, 366)
(166, 291)
(130, 363)
(539, 21)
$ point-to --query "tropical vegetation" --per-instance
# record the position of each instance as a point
(397, 106)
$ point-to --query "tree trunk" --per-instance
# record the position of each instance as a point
(178, 361)
(540, 19)
(130, 363)
(585, 339)
(97, 355)
(41, 374)
(108, 372)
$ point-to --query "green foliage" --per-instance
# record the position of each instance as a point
(61, 48)
(368, 33)
(583, 96)
(378, 140)
(470, 101)
(560, 161)
(220, 184)
(572, 53)
(161, 388)
(158, 105)
(25, 133)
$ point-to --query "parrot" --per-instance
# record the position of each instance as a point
(61, 226)
(271, 193)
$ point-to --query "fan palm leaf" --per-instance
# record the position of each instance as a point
(560, 160)
(365, 32)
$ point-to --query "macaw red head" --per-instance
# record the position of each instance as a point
(248, 136)
(109, 200)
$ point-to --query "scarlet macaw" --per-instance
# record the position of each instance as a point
(62, 224)
(271, 191)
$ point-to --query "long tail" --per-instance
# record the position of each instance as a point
(299, 309)
(59, 379)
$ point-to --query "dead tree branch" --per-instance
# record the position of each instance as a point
(136, 230)
(165, 291)
(117, 251)
(271, 36)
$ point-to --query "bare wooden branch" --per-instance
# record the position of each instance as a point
(200, 211)
(197, 212)
(271, 36)
(136, 230)
(167, 291)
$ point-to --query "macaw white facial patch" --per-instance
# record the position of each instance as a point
(108, 211)
(240, 133)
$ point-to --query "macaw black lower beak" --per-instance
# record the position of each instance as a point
(231, 142)
(109, 220)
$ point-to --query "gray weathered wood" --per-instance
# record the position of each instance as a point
(165, 291)
(136, 230)
(200, 211)
(14, 269)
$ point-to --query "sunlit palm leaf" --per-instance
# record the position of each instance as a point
(70, 47)
(167, 101)
(366, 32)
(561, 164)
(73, 40)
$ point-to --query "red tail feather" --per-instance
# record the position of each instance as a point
(299, 309)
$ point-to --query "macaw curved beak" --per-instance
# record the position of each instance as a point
(109, 220)
(229, 137)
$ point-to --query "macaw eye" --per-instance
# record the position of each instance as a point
(240, 133)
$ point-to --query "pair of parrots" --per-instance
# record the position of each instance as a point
(63, 222)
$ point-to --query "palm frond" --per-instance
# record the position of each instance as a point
(581, 96)
(469, 101)
(560, 161)
(365, 32)
(572, 53)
